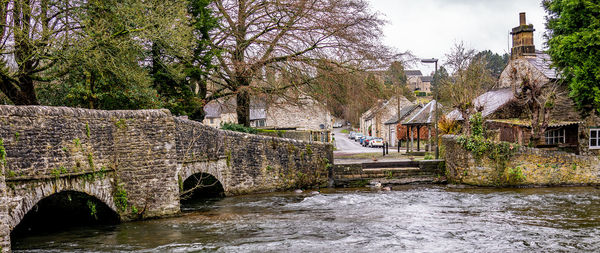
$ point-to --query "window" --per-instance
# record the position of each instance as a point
(261, 123)
(555, 136)
(595, 138)
(212, 121)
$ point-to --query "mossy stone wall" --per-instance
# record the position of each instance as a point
(527, 167)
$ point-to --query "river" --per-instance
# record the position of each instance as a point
(409, 218)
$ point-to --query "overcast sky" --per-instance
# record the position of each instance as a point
(429, 28)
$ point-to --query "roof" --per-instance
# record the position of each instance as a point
(413, 73)
(527, 122)
(404, 112)
(215, 108)
(490, 102)
(258, 113)
(427, 79)
(542, 62)
(425, 116)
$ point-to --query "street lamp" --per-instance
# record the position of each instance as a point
(435, 97)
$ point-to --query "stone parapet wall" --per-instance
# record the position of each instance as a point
(255, 163)
(527, 167)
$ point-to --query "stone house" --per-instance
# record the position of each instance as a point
(413, 79)
(219, 112)
(373, 121)
(424, 84)
(507, 114)
(304, 114)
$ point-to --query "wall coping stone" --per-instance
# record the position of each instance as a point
(35, 110)
(246, 135)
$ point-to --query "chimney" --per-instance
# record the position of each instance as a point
(522, 18)
(522, 36)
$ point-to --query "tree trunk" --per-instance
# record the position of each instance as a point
(466, 123)
(243, 107)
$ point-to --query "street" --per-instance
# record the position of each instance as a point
(345, 145)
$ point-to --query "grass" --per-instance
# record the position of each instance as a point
(345, 131)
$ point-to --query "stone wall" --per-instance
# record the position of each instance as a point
(527, 167)
(254, 163)
(4, 229)
(309, 136)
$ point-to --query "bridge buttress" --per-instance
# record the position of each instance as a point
(4, 230)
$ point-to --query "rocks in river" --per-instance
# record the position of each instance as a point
(298, 191)
(386, 189)
(315, 193)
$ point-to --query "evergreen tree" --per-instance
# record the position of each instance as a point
(574, 45)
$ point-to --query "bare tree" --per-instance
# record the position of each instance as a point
(30, 33)
(291, 36)
(470, 79)
(459, 57)
(539, 95)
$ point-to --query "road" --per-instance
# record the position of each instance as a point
(345, 145)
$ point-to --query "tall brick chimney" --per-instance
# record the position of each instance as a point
(522, 36)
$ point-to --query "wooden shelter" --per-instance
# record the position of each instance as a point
(425, 118)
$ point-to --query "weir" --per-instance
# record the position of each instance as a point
(136, 162)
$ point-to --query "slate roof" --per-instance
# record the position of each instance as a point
(542, 62)
(214, 109)
(426, 79)
(425, 116)
(258, 113)
(404, 112)
(413, 73)
(527, 122)
(491, 101)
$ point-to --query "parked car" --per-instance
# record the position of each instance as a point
(361, 139)
(376, 142)
(357, 136)
(351, 135)
(337, 125)
(366, 141)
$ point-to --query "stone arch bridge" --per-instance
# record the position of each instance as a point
(135, 162)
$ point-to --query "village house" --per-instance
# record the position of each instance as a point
(425, 84)
(306, 114)
(507, 114)
(413, 79)
(372, 122)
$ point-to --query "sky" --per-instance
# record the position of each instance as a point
(429, 28)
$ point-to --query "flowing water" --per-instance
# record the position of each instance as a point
(409, 218)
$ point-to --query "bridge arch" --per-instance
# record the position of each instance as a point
(201, 186)
(63, 210)
(202, 179)
(25, 196)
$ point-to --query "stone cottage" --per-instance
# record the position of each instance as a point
(372, 122)
(413, 79)
(507, 114)
(304, 114)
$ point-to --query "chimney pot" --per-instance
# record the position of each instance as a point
(522, 18)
